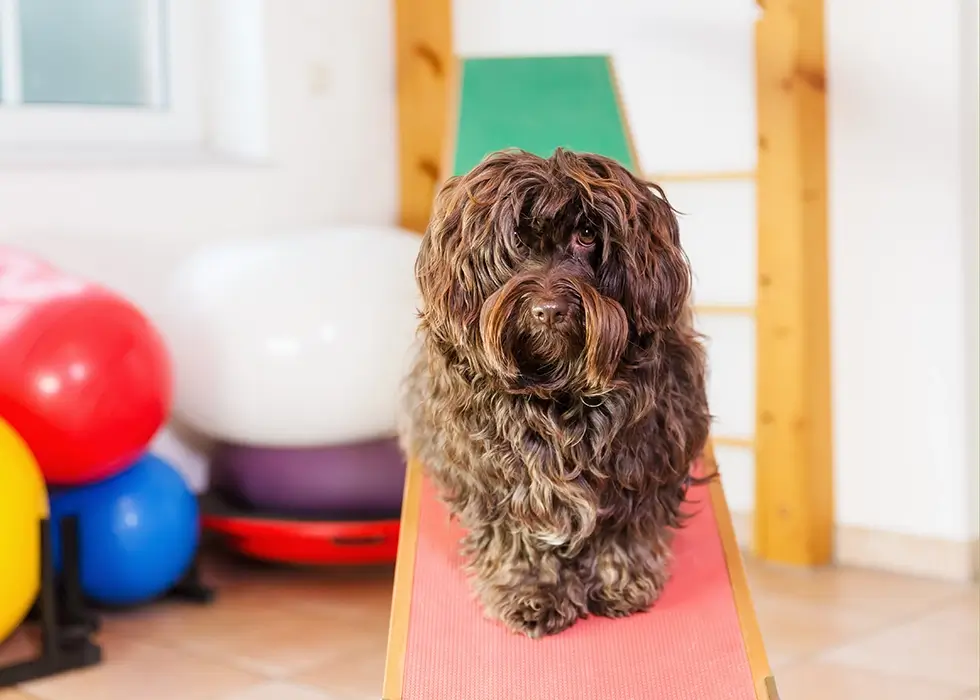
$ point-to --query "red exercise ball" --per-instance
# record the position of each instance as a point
(84, 377)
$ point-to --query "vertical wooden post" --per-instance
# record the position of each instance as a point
(423, 55)
(794, 471)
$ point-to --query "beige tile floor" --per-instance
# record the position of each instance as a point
(315, 635)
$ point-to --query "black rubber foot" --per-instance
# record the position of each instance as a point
(191, 588)
(67, 624)
(67, 658)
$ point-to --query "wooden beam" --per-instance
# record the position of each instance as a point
(794, 499)
(408, 536)
(423, 55)
(755, 650)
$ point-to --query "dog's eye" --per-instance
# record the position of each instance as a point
(585, 238)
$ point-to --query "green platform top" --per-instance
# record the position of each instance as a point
(539, 104)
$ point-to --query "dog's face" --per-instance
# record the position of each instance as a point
(545, 272)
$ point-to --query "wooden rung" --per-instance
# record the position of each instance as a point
(724, 310)
(707, 176)
(732, 441)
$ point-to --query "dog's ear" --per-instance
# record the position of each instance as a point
(647, 270)
(456, 260)
(468, 249)
(438, 271)
(659, 271)
(644, 266)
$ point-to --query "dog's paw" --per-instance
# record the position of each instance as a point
(536, 611)
(539, 615)
(624, 602)
(626, 589)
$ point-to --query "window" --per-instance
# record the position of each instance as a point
(99, 72)
(108, 52)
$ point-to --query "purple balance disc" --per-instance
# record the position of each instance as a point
(360, 478)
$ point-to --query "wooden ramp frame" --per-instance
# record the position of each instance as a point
(701, 641)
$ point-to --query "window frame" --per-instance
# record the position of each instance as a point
(180, 121)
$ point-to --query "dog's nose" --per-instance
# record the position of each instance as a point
(549, 311)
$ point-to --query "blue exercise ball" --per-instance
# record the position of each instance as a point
(138, 532)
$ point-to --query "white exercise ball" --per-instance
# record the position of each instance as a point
(297, 340)
(187, 452)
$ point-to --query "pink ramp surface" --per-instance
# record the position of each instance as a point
(688, 647)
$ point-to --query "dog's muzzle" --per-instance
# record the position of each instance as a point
(557, 333)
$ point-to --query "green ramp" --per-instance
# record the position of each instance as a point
(539, 104)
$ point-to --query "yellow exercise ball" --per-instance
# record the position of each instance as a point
(23, 504)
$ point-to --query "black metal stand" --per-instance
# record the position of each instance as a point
(67, 624)
(191, 588)
(67, 620)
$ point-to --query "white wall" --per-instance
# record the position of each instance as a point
(901, 205)
(970, 150)
(898, 225)
(331, 158)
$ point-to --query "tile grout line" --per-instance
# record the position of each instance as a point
(810, 657)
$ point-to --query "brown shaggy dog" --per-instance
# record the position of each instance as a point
(558, 399)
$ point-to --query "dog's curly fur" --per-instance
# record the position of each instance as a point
(562, 448)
